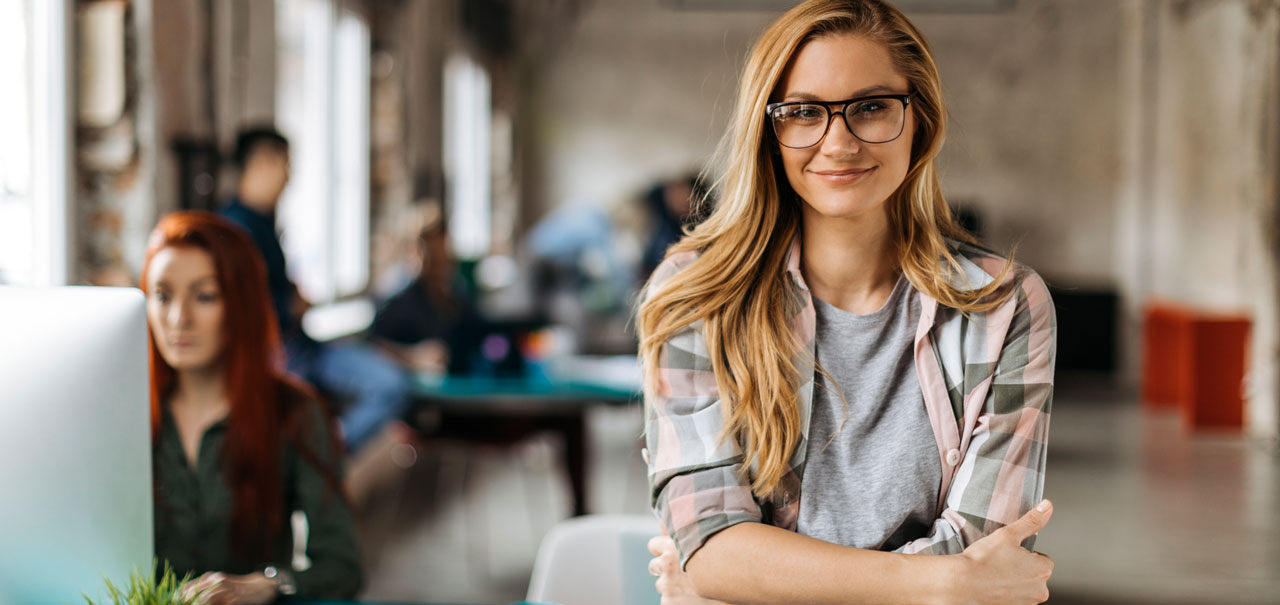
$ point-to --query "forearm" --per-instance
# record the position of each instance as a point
(757, 563)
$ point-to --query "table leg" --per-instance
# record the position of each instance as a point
(574, 432)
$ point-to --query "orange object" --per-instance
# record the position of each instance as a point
(1166, 337)
(1195, 361)
(1220, 345)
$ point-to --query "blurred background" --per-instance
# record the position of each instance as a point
(1126, 149)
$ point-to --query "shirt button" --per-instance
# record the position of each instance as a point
(953, 457)
(644, 453)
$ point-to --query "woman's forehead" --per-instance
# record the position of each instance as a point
(840, 66)
(186, 264)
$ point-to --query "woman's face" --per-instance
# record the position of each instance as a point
(184, 308)
(842, 176)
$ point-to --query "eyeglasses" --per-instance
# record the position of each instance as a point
(874, 119)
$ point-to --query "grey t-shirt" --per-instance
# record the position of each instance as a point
(875, 484)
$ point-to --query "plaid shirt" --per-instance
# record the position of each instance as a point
(987, 381)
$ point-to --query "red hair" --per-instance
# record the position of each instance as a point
(266, 404)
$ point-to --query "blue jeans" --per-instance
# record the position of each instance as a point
(374, 387)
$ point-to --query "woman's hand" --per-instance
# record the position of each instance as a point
(997, 569)
(673, 583)
(218, 588)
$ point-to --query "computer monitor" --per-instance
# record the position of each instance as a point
(75, 453)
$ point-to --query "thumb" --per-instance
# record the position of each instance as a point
(1032, 522)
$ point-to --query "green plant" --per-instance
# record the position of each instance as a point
(147, 590)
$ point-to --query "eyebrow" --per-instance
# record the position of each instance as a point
(195, 283)
(808, 96)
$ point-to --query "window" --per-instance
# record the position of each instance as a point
(322, 106)
(467, 155)
(34, 145)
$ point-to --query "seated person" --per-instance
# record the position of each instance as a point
(237, 445)
(418, 323)
(674, 205)
(373, 387)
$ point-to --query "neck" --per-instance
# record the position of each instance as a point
(851, 264)
(203, 388)
(256, 202)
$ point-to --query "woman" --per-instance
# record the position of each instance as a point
(837, 376)
(237, 446)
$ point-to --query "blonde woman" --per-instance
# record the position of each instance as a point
(838, 378)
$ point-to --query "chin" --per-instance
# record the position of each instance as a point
(186, 362)
(834, 205)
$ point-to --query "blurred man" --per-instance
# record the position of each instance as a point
(674, 205)
(418, 323)
(375, 389)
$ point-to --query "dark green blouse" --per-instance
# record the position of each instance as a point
(193, 512)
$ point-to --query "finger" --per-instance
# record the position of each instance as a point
(663, 586)
(660, 544)
(204, 582)
(1048, 563)
(1032, 522)
(655, 567)
(217, 595)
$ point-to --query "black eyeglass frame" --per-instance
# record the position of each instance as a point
(905, 99)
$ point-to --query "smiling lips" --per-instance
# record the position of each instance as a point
(843, 177)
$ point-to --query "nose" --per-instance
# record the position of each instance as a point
(839, 139)
(179, 313)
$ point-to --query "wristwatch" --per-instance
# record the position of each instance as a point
(286, 585)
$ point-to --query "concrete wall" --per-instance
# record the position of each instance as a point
(1034, 104)
(635, 92)
(1209, 233)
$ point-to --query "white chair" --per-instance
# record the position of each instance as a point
(596, 560)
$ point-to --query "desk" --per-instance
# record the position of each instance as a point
(324, 602)
(503, 411)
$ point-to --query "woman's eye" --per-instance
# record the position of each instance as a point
(802, 113)
(207, 297)
(869, 109)
(160, 297)
(807, 113)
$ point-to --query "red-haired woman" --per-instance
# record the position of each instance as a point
(237, 445)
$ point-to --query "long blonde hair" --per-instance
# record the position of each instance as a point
(738, 285)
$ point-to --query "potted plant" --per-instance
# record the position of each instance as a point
(148, 589)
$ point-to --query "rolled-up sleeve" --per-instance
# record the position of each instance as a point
(697, 485)
(1001, 476)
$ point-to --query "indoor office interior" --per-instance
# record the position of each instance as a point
(534, 158)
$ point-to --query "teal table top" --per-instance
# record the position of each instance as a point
(483, 388)
(610, 380)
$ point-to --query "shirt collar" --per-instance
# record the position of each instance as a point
(972, 276)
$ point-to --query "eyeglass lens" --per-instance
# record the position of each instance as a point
(872, 121)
